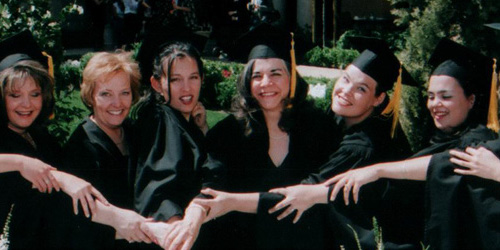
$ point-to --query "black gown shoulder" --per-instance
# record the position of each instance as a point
(460, 209)
(169, 156)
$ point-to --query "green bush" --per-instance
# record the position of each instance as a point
(219, 85)
(330, 57)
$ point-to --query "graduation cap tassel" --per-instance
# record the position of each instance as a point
(393, 106)
(293, 73)
(493, 109)
(50, 63)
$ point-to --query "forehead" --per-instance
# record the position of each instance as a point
(182, 63)
(443, 83)
(26, 83)
(357, 76)
(268, 64)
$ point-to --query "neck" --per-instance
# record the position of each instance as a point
(272, 119)
(351, 121)
(17, 130)
(114, 133)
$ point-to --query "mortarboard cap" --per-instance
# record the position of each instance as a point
(379, 62)
(153, 44)
(474, 71)
(264, 41)
(19, 47)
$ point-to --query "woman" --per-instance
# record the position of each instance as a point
(358, 98)
(26, 102)
(458, 110)
(99, 148)
(170, 138)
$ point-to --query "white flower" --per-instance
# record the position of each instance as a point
(317, 91)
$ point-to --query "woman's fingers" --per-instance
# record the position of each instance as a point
(336, 190)
(333, 180)
(54, 182)
(297, 216)
(285, 213)
(464, 171)
(347, 191)
(91, 203)
(99, 196)
(83, 202)
(279, 206)
(208, 191)
(460, 155)
(461, 163)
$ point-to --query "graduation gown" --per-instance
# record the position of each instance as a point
(462, 211)
(28, 223)
(312, 137)
(363, 144)
(170, 155)
(91, 155)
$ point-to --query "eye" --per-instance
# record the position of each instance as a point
(104, 94)
(362, 89)
(13, 95)
(36, 94)
(430, 97)
(445, 97)
(257, 76)
(194, 77)
(126, 93)
(174, 79)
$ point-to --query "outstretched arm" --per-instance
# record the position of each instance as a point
(480, 162)
(413, 169)
(33, 170)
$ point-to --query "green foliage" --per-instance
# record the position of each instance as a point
(4, 236)
(213, 117)
(219, 85)
(69, 111)
(322, 103)
(330, 57)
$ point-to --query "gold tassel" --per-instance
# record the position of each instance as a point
(393, 105)
(493, 109)
(50, 63)
(293, 73)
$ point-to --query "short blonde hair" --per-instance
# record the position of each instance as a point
(106, 64)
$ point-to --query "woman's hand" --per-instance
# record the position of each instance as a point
(199, 115)
(40, 174)
(479, 162)
(352, 179)
(182, 234)
(220, 203)
(299, 198)
(156, 231)
(80, 190)
(128, 226)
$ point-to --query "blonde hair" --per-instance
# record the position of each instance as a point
(18, 73)
(107, 64)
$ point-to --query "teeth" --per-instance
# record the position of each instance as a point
(24, 112)
(115, 112)
(186, 98)
(267, 94)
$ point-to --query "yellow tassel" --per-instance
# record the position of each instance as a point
(393, 106)
(50, 63)
(493, 109)
(293, 73)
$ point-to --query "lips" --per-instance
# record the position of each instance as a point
(115, 112)
(268, 94)
(439, 114)
(343, 101)
(24, 113)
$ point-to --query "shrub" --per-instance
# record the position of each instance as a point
(219, 85)
(330, 57)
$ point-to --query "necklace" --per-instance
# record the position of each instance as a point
(28, 137)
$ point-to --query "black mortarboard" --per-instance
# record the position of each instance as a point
(473, 71)
(263, 41)
(154, 42)
(493, 25)
(379, 62)
(19, 47)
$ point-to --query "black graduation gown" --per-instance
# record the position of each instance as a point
(462, 212)
(91, 155)
(312, 136)
(363, 144)
(28, 222)
(170, 156)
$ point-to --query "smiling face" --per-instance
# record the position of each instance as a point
(112, 98)
(23, 104)
(270, 84)
(354, 96)
(185, 85)
(447, 102)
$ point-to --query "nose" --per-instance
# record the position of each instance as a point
(116, 101)
(186, 86)
(25, 101)
(266, 80)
